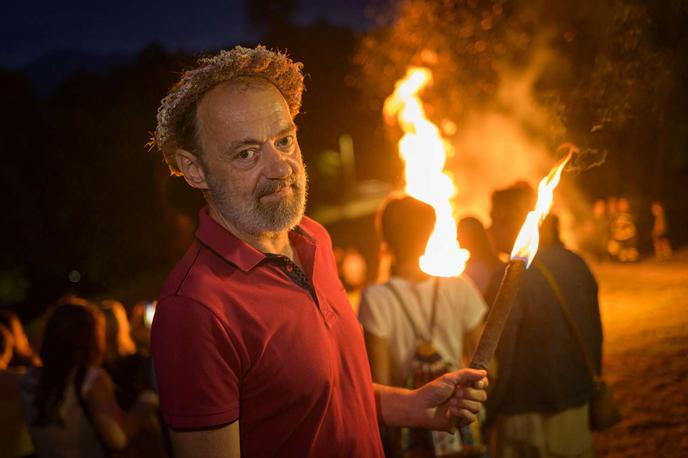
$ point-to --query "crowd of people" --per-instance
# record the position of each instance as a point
(87, 390)
(612, 231)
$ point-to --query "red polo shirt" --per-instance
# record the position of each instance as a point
(239, 334)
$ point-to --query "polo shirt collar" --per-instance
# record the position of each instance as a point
(230, 247)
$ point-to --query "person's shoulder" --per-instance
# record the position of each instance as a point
(462, 281)
(314, 229)
(463, 290)
(96, 382)
(200, 277)
(180, 272)
(463, 284)
(375, 289)
(181, 309)
(580, 263)
(561, 253)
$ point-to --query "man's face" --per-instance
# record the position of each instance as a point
(251, 159)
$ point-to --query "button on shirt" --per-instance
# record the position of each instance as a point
(243, 335)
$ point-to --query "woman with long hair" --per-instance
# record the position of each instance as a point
(69, 400)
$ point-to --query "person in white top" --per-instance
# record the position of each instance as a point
(70, 400)
(392, 328)
(404, 225)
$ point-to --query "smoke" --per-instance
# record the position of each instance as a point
(512, 83)
(508, 139)
(585, 160)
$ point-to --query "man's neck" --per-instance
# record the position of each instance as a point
(266, 242)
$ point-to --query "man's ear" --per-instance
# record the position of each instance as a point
(191, 167)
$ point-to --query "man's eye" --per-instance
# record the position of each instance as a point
(246, 154)
(285, 141)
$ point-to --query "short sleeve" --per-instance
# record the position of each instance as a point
(196, 364)
(475, 309)
(372, 312)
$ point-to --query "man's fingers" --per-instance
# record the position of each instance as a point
(467, 404)
(472, 394)
(463, 416)
(466, 377)
(481, 384)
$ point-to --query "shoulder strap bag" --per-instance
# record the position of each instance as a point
(604, 412)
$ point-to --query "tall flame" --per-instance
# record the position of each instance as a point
(424, 153)
(528, 239)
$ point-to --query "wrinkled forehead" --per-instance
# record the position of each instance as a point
(243, 107)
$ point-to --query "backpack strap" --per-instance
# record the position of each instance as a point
(578, 337)
(397, 294)
(433, 312)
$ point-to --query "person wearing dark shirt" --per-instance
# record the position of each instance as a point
(539, 401)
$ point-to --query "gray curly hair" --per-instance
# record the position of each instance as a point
(177, 113)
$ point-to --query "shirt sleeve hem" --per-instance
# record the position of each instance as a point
(200, 421)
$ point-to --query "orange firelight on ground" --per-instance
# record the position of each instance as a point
(528, 239)
(424, 153)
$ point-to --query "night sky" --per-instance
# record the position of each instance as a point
(31, 29)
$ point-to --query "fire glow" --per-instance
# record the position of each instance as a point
(424, 153)
(528, 239)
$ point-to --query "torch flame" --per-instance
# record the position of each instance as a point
(424, 153)
(528, 239)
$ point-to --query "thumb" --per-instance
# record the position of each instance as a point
(466, 376)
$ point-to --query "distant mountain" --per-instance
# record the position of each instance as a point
(52, 68)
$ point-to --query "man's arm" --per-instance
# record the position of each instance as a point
(222, 442)
(448, 401)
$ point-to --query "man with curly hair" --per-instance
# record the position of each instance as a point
(256, 348)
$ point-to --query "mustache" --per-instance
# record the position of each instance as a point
(270, 186)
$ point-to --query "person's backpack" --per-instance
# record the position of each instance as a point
(426, 365)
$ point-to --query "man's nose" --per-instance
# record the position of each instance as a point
(277, 162)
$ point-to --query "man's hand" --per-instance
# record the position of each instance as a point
(452, 400)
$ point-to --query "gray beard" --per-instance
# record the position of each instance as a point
(256, 217)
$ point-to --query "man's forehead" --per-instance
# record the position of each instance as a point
(233, 112)
(241, 88)
(244, 97)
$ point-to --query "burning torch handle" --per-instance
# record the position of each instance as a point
(498, 314)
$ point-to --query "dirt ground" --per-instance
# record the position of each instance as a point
(645, 317)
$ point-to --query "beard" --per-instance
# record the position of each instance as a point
(254, 216)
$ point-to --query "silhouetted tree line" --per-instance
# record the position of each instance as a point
(81, 191)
